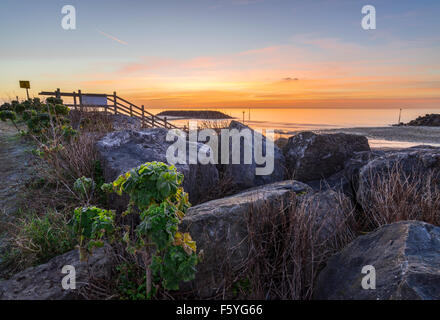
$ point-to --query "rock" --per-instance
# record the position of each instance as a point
(123, 122)
(243, 176)
(406, 258)
(123, 150)
(310, 156)
(220, 229)
(43, 282)
(429, 120)
(346, 180)
(416, 162)
(330, 210)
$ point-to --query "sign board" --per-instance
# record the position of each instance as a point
(25, 84)
(91, 100)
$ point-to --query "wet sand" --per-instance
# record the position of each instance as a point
(394, 137)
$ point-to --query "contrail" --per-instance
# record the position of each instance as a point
(112, 37)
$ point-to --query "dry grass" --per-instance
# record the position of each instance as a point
(396, 195)
(33, 239)
(59, 167)
(289, 246)
(216, 125)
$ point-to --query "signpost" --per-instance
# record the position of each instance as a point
(25, 85)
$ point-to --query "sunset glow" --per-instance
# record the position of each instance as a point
(250, 55)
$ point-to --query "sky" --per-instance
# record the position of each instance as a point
(227, 53)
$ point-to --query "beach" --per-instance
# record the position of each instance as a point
(394, 137)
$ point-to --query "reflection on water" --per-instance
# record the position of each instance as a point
(279, 118)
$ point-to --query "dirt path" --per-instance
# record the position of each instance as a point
(15, 169)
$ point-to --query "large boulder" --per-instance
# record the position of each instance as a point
(44, 282)
(220, 229)
(406, 258)
(331, 211)
(346, 180)
(123, 150)
(418, 162)
(310, 156)
(244, 175)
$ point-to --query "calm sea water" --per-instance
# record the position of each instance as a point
(285, 120)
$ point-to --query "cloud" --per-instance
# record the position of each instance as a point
(221, 3)
(112, 37)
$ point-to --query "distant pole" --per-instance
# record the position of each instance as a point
(400, 114)
(249, 114)
(243, 116)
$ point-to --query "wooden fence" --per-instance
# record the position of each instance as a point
(115, 105)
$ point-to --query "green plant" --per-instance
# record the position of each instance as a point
(130, 282)
(91, 224)
(84, 187)
(169, 256)
(6, 115)
(34, 239)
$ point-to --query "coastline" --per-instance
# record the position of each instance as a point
(394, 137)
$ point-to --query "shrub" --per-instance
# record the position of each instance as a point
(35, 239)
(156, 196)
(288, 248)
(91, 225)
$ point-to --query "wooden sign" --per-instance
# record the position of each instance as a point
(25, 84)
(94, 100)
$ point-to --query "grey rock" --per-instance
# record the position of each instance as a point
(43, 282)
(243, 176)
(406, 258)
(310, 156)
(330, 210)
(123, 150)
(220, 229)
(413, 163)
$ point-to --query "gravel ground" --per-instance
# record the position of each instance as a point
(15, 168)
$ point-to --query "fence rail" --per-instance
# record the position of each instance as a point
(117, 105)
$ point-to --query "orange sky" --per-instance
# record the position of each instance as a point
(238, 60)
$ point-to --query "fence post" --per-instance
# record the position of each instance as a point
(131, 110)
(165, 120)
(143, 116)
(80, 101)
(74, 100)
(114, 100)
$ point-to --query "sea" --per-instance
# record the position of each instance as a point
(287, 121)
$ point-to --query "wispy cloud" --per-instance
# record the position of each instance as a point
(221, 3)
(112, 37)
